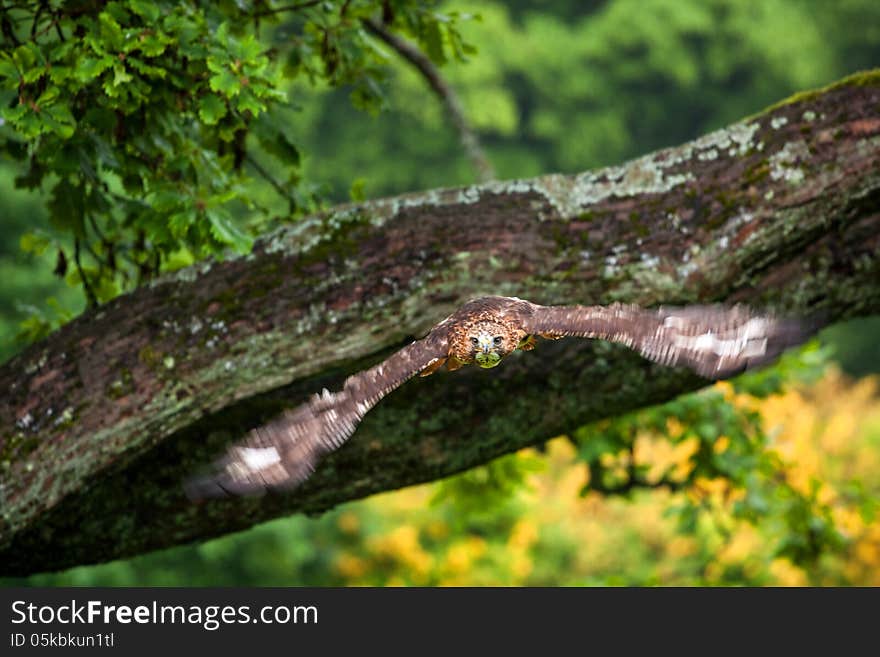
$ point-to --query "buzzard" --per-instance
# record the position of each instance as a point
(715, 341)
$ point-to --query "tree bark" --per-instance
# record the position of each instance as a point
(102, 420)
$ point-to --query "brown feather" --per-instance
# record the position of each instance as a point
(284, 452)
(714, 341)
(499, 315)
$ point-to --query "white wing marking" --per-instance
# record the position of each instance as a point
(257, 458)
(751, 341)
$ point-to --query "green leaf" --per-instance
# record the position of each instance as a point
(121, 77)
(707, 431)
(186, 30)
(221, 35)
(164, 200)
(146, 69)
(105, 288)
(118, 11)
(48, 96)
(247, 102)
(110, 32)
(356, 193)
(35, 243)
(591, 449)
(145, 9)
(256, 69)
(273, 138)
(60, 119)
(33, 328)
(153, 46)
(66, 207)
(87, 69)
(223, 81)
(25, 60)
(211, 109)
(7, 67)
(60, 74)
(179, 223)
(183, 257)
(32, 177)
(224, 230)
(433, 40)
(246, 49)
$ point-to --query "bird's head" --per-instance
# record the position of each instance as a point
(489, 343)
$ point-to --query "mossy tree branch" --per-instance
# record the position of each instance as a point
(103, 419)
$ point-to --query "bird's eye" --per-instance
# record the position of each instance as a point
(475, 342)
(497, 340)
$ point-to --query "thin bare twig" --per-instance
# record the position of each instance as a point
(423, 64)
(90, 293)
(58, 29)
(37, 19)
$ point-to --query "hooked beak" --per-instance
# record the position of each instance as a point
(486, 355)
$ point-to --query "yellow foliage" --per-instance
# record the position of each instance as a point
(714, 490)
(436, 529)
(785, 573)
(827, 433)
(349, 523)
(663, 457)
(521, 566)
(351, 567)
(681, 546)
(743, 544)
(461, 555)
(523, 535)
(831, 433)
(402, 546)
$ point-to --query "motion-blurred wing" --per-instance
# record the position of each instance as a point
(284, 452)
(714, 341)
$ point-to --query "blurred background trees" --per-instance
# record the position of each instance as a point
(770, 479)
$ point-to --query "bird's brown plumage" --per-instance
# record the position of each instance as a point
(714, 341)
(495, 315)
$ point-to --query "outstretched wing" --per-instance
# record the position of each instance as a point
(714, 341)
(284, 452)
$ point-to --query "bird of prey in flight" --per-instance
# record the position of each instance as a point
(714, 341)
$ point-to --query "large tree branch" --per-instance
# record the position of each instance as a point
(103, 419)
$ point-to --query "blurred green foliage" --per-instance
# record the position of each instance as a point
(149, 150)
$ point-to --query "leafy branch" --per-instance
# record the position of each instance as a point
(140, 125)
